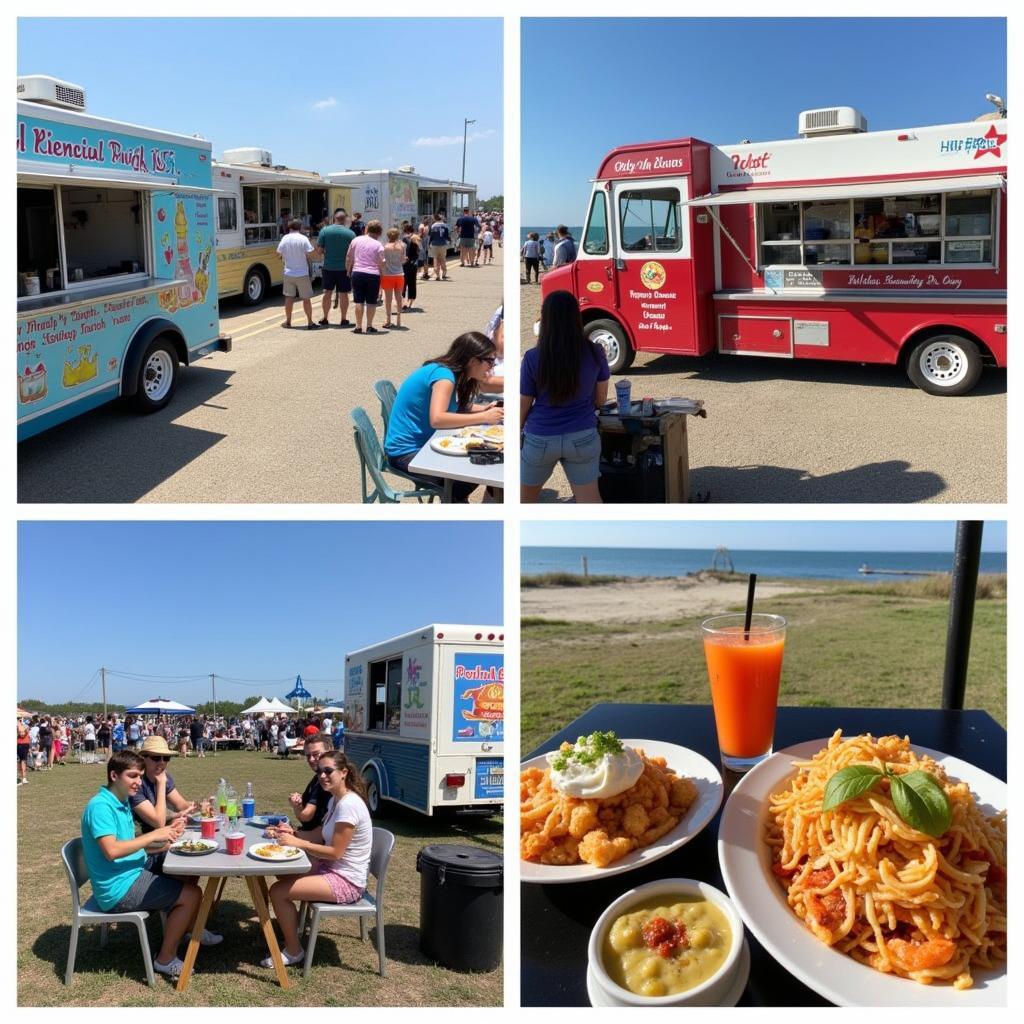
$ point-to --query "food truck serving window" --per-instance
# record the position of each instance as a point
(595, 238)
(259, 207)
(386, 690)
(649, 220)
(227, 213)
(101, 231)
(925, 228)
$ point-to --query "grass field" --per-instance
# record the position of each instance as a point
(853, 646)
(345, 969)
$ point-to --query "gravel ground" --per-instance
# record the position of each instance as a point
(821, 432)
(266, 422)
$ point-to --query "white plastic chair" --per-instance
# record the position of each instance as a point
(367, 906)
(78, 874)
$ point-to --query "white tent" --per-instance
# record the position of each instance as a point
(278, 707)
(161, 706)
(332, 709)
(261, 707)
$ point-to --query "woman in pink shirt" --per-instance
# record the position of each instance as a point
(365, 263)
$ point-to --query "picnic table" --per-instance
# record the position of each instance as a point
(428, 462)
(557, 919)
(220, 866)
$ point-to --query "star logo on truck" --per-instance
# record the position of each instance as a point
(995, 144)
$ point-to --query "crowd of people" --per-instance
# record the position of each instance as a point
(46, 741)
(555, 249)
(364, 264)
(140, 811)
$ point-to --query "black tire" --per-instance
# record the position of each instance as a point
(945, 364)
(158, 376)
(375, 803)
(612, 338)
(254, 291)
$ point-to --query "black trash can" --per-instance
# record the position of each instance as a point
(461, 906)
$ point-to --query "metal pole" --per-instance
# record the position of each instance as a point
(213, 687)
(585, 572)
(466, 122)
(103, 683)
(962, 589)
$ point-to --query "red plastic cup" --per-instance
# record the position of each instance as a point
(208, 827)
(235, 842)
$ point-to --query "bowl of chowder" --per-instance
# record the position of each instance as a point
(669, 943)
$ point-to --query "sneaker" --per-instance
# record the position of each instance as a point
(324, 322)
(172, 970)
(345, 323)
(286, 957)
(372, 330)
(208, 938)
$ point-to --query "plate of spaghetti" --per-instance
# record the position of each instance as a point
(876, 901)
(641, 799)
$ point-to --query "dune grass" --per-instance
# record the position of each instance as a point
(344, 970)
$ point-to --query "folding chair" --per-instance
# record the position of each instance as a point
(373, 462)
(386, 392)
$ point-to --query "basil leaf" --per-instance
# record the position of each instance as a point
(921, 802)
(849, 784)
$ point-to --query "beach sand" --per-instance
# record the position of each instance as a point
(646, 600)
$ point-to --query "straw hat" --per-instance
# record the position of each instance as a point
(157, 745)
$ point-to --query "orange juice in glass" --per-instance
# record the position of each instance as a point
(744, 666)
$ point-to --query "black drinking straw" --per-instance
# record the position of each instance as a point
(751, 583)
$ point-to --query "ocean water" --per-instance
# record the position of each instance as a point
(574, 229)
(802, 564)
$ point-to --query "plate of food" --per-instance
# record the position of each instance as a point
(603, 805)
(493, 434)
(895, 895)
(274, 851)
(193, 847)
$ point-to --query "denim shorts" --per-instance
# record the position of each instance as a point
(150, 892)
(578, 452)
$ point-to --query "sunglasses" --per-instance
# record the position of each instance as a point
(326, 771)
(157, 757)
(489, 360)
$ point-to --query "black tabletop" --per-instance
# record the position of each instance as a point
(556, 920)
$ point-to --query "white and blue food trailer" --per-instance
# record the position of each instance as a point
(117, 285)
(426, 718)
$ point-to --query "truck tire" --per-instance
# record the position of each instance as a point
(158, 375)
(375, 803)
(254, 290)
(612, 338)
(945, 364)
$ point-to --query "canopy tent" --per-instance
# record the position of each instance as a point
(332, 709)
(261, 707)
(299, 692)
(161, 706)
(278, 707)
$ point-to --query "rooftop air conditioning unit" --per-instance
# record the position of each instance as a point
(249, 155)
(51, 91)
(832, 121)
(407, 169)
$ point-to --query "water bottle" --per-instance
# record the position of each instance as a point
(222, 797)
(249, 802)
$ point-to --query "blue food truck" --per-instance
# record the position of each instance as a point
(116, 277)
(425, 718)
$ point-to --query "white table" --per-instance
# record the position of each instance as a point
(428, 462)
(217, 868)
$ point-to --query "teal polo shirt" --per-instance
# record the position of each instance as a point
(105, 815)
(335, 240)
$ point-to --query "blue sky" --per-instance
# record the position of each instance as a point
(591, 85)
(244, 600)
(758, 536)
(321, 94)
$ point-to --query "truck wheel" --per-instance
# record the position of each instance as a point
(611, 337)
(945, 364)
(374, 801)
(255, 288)
(158, 376)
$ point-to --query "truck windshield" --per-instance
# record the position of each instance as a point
(649, 220)
(595, 239)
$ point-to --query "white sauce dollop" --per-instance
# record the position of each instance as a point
(610, 775)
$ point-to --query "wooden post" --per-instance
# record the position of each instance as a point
(585, 572)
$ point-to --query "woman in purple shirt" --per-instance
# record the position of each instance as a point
(563, 381)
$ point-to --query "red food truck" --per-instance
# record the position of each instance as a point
(842, 244)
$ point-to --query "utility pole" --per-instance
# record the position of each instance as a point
(213, 689)
(103, 683)
(466, 122)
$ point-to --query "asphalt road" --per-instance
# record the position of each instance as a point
(812, 431)
(266, 422)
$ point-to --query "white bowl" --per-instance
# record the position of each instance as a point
(707, 993)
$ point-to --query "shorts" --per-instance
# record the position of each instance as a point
(579, 453)
(22, 751)
(489, 249)
(343, 890)
(467, 243)
(298, 286)
(365, 288)
(336, 280)
(437, 252)
(90, 745)
(149, 892)
(396, 282)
